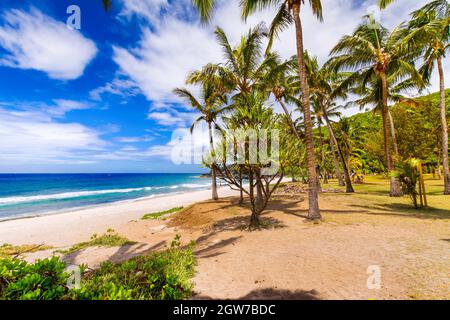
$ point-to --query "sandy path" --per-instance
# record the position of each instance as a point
(72, 227)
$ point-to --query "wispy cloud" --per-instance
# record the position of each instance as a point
(36, 41)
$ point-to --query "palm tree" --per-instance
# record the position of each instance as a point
(211, 106)
(430, 26)
(324, 84)
(106, 4)
(375, 53)
(243, 67)
(288, 13)
(384, 3)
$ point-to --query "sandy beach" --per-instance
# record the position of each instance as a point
(63, 229)
(291, 258)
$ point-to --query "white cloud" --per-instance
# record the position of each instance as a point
(63, 106)
(145, 138)
(120, 87)
(31, 135)
(147, 9)
(172, 118)
(36, 41)
(163, 58)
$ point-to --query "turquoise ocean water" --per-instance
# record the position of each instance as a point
(24, 195)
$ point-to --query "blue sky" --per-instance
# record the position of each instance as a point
(99, 99)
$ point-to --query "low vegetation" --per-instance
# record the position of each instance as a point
(157, 215)
(8, 250)
(109, 239)
(157, 276)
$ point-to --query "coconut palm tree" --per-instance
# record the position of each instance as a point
(210, 106)
(430, 26)
(384, 3)
(324, 88)
(288, 12)
(375, 53)
(243, 67)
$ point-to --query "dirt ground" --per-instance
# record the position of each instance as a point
(296, 259)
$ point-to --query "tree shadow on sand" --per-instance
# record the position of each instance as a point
(273, 294)
(122, 253)
(404, 210)
(292, 208)
(208, 248)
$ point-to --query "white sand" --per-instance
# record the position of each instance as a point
(64, 229)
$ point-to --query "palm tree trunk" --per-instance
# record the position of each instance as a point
(348, 181)
(439, 164)
(395, 189)
(393, 137)
(324, 171)
(241, 193)
(213, 168)
(336, 164)
(313, 196)
(444, 128)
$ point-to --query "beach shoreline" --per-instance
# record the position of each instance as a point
(65, 228)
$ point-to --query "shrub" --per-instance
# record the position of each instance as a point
(110, 239)
(8, 250)
(157, 215)
(408, 176)
(42, 280)
(158, 276)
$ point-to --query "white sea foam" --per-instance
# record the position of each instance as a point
(66, 195)
(70, 195)
(194, 186)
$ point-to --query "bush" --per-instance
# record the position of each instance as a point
(157, 215)
(110, 239)
(409, 176)
(43, 280)
(160, 275)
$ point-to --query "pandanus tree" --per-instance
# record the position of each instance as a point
(245, 130)
(372, 52)
(430, 28)
(288, 12)
(211, 106)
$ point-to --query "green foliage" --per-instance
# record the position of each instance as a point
(408, 175)
(8, 250)
(43, 280)
(158, 276)
(110, 239)
(156, 215)
(418, 131)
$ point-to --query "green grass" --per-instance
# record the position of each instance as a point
(110, 239)
(8, 250)
(157, 215)
(374, 194)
